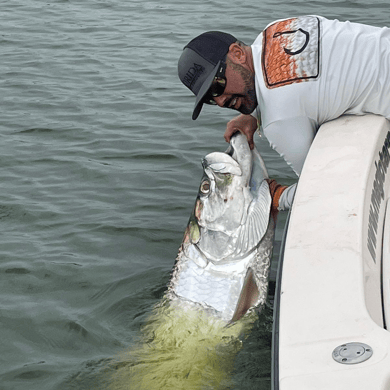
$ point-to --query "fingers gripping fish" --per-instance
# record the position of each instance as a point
(223, 262)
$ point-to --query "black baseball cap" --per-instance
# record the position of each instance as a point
(200, 61)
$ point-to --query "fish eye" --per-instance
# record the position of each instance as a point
(205, 187)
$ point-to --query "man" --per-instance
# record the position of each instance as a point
(298, 74)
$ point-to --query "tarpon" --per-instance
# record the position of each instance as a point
(223, 262)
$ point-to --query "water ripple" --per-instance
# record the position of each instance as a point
(99, 170)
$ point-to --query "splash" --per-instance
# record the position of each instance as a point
(182, 349)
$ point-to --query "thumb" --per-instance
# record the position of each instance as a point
(229, 133)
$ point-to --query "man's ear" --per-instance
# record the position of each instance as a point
(237, 54)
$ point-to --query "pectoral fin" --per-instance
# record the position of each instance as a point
(256, 223)
(248, 297)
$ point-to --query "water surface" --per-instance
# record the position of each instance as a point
(100, 165)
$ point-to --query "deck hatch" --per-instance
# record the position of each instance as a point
(352, 353)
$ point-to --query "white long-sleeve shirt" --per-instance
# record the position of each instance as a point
(310, 70)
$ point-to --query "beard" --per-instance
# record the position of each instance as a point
(249, 98)
(249, 102)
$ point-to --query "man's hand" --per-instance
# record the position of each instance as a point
(246, 124)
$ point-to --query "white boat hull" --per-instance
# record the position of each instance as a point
(335, 283)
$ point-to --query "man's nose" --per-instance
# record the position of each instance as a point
(220, 100)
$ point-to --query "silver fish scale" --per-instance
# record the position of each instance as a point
(207, 286)
(218, 287)
(262, 262)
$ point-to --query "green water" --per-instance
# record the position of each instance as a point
(99, 169)
(182, 349)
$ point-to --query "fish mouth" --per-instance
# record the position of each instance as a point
(232, 144)
(249, 160)
(238, 150)
(239, 160)
(230, 150)
(248, 163)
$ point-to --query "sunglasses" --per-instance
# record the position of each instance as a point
(218, 86)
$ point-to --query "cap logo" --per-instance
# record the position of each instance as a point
(192, 75)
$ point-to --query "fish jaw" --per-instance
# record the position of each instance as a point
(243, 155)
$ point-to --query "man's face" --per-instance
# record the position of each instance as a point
(240, 91)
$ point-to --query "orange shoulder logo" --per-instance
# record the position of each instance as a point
(291, 51)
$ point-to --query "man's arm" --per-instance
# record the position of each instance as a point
(292, 139)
